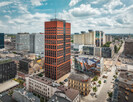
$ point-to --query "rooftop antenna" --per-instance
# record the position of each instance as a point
(55, 13)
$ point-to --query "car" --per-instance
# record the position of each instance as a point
(105, 81)
(66, 80)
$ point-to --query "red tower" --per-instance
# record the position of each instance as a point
(57, 48)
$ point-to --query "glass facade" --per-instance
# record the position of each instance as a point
(1, 40)
(7, 71)
(57, 49)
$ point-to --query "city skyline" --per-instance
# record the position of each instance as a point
(112, 16)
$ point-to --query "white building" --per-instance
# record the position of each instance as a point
(23, 42)
(37, 44)
(47, 87)
(41, 85)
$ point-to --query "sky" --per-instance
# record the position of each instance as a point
(110, 16)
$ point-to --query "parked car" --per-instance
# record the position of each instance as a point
(105, 81)
(65, 80)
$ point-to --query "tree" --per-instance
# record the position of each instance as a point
(115, 49)
(95, 78)
(99, 82)
(107, 44)
(95, 89)
(110, 94)
(41, 99)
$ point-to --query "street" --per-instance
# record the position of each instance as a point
(102, 96)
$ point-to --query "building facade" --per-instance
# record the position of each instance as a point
(24, 65)
(41, 85)
(23, 42)
(7, 70)
(46, 87)
(108, 38)
(57, 48)
(128, 47)
(1, 40)
(105, 52)
(80, 82)
(37, 43)
(90, 38)
(89, 65)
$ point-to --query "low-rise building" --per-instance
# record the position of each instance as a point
(41, 85)
(47, 88)
(89, 65)
(20, 95)
(6, 98)
(8, 69)
(123, 88)
(80, 82)
(30, 67)
(92, 50)
(128, 47)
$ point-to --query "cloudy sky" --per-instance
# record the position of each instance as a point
(111, 16)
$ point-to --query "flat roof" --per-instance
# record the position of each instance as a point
(129, 40)
(6, 98)
(7, 85)
(2, 61)
(69, 92)
(79, 77)
(56, 98)
(44, 80)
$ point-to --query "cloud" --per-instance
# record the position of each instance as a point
(84, 10)
(73, 2)
(29, 22)
(113, 3)
(37, 2)
(4, 3)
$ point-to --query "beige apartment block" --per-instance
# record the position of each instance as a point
(90, 38)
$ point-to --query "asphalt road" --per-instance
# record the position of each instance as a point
(102, 97)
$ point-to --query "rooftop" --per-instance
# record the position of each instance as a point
(2, 61)
(29, 95)
(126, 92)
(6, 98)
(7, 85)
(55, 19)
(79, 77)
(26, 60)
(56, 98)
(44, 80)
(69, 92)
(129, 40)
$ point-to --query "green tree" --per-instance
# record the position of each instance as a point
(115, 49)
(107, 44)
(41, 99)
(110, 94)
(94, 89)
(99, 82)
(95, 78)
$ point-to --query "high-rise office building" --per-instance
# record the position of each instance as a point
(57, 48)
(1, 40)
(22, 42)
(37, 44)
